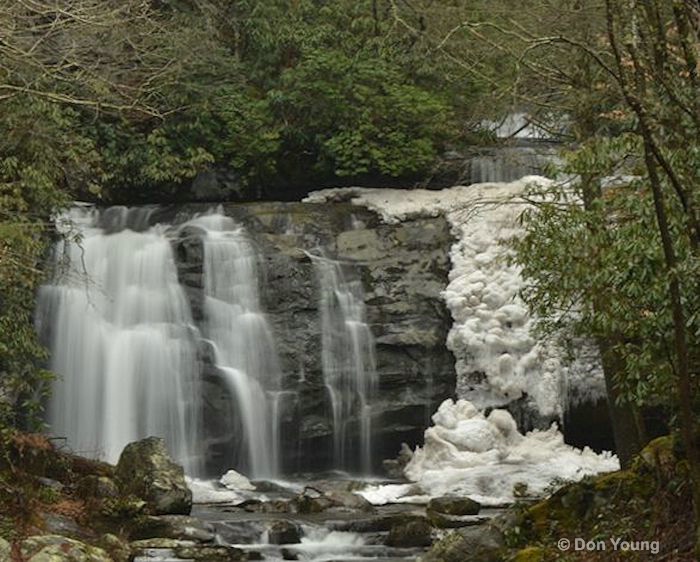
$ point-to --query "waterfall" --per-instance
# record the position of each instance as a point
(245, 351)
(348, 361)
(508, 163)
(524, 149)
(118, 326)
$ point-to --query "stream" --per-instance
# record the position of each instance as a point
(267, 525)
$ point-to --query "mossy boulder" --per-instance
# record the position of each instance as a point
(576, 503)
(483, 543)
(284, 532)
(454, 505)
(122, 514)
(55, 548)
(96, 486)
(614, 504)
(212, 554)
(530, 554)
(179, 527)
(188, 550)
(146, 470)
(660, 456)
(410, 531)
(117, 548)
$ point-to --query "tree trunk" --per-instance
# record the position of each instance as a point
(627, 424)
(626, 421)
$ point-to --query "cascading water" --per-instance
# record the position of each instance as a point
(348, 359)
(525, 149)
(120, 333)
(243, 343)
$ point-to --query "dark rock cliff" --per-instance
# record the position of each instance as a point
(403, 269)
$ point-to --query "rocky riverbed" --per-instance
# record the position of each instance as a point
(57, 507)
(143, 509)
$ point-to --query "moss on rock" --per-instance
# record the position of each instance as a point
(647, 501)
(55, 548)
(146, 470)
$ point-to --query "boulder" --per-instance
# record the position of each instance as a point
(186, 550)
(284, 532)
(54, 485)
(55, 548)
(146, 470)
(483, 543)
(94, 486)
(180, 527)
(159, 543)
(117, 548)
(409, 532)
(453, 505)
(349, 501)
(380, 523)
(394, 467)
(445, 521)
(57, 524)
(211, 553)
(310, 500)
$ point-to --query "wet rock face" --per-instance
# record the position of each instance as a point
(146, 470)
(403, 269)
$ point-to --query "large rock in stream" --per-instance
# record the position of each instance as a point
(146, 470)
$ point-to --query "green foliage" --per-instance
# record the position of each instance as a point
(354, 116)
(29, 171)
(351, 98)
(597, 271)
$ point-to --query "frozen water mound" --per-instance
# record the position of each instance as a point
(484, 457)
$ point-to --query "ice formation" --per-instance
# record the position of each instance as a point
(498, 359)
(484, 457)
